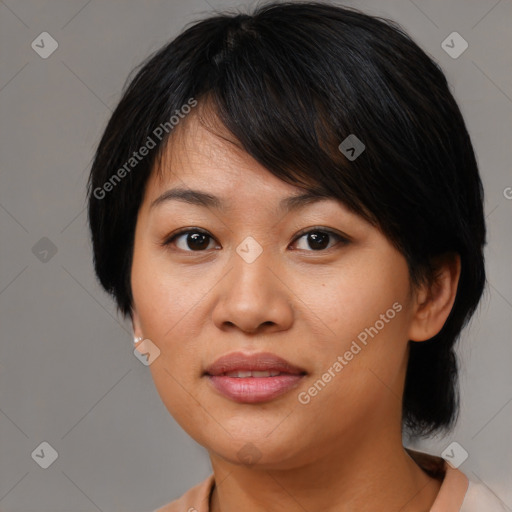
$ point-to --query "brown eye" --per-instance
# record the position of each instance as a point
(319, 240)
(191, 240)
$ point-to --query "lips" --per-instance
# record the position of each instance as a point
(253, 378)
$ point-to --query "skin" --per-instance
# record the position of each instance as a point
(343, 450)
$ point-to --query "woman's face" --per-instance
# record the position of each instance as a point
(248, 279)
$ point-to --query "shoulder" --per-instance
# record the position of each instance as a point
(478, 498)
(457, 493)
(196, 499)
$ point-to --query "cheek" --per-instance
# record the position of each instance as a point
(352, 298)
(364, 318)
(163, 294)
(165, 307)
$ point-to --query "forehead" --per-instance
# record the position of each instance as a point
(206, 166)
(209, 158)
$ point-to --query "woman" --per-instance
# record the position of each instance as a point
(288, 207)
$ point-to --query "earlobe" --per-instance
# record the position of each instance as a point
(434, 300)
(137, 329)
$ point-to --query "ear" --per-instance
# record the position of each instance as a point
(136, 325)
(434, 299)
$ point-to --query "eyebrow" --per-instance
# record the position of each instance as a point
(200, 198)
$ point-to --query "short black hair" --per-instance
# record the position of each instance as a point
(290, 82)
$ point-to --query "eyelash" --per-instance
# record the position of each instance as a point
(340, 238)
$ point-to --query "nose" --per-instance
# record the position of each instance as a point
(253, 297)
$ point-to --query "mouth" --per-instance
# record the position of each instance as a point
(243, 374)
(253, 378)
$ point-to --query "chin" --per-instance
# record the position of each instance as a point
(258, 452)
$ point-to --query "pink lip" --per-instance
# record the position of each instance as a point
(253, 389)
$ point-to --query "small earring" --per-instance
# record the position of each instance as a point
(136, 340)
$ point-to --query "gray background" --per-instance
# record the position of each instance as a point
(67, 372)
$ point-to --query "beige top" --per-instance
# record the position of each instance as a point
(457, 493)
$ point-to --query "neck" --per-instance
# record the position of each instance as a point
(371, 474)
